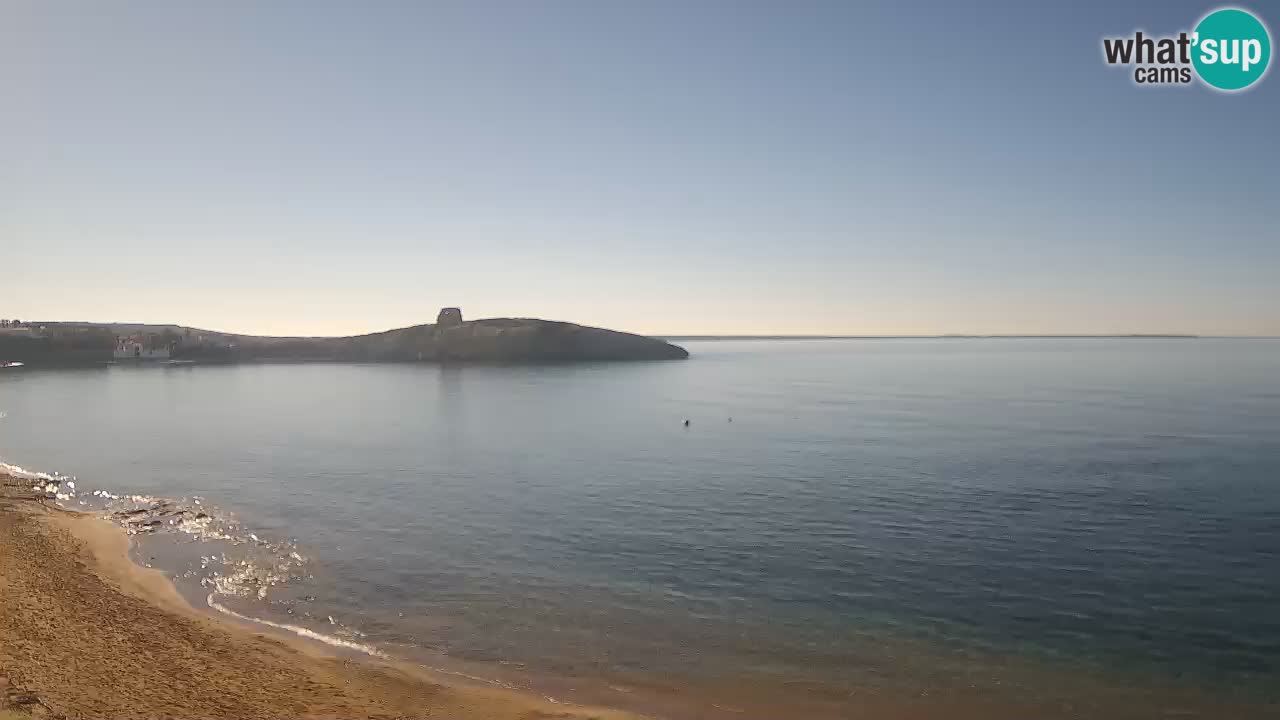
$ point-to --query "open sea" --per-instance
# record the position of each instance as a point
(1019, 527)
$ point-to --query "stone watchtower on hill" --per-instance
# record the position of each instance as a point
(449, 317)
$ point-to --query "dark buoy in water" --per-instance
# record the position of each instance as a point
(686, 423)
(730, 419)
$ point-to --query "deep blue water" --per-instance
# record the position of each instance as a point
(1089, 502)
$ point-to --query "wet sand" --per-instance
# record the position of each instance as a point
(85, 632)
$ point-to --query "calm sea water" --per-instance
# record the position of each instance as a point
(885, 513)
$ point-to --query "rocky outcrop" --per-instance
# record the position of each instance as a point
(492, 340)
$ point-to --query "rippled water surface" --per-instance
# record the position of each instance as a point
(1106, 505)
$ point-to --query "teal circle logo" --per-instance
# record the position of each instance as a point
(1231, 49)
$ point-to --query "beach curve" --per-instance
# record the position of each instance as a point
(86, 632)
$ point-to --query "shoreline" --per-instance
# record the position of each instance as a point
(87, 632)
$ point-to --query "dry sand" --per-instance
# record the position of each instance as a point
(86, 633)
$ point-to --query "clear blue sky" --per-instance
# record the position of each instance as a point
(681, 167)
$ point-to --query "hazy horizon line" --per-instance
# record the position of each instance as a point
(973, 336)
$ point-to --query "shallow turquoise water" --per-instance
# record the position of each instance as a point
(1103, 504)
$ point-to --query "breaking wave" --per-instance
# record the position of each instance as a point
(297, 630)
(22, 473)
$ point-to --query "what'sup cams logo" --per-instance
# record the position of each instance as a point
(1229, 50)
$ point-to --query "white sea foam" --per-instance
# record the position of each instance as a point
(23, 473)
(259, 563)
(53, 484)
(297, 630)
(247, 578)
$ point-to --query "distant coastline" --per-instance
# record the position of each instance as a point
(1133, 336)
(449, 339)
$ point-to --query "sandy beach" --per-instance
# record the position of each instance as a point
(86, 633)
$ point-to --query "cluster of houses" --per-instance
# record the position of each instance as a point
(167, 343)
(150, 346)
(76, 343)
